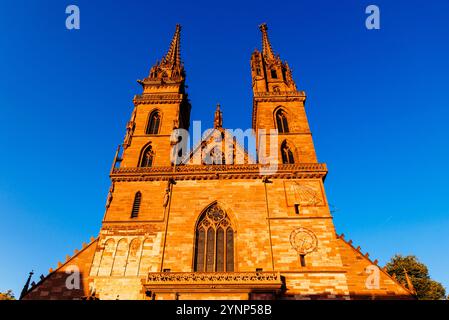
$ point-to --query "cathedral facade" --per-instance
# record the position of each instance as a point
(216, 222)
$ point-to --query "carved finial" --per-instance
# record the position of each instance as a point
(267, 51)
(358, 248)
(350, 242)
(218, 118)
(59, 264)
(367, 255)
(76, 251)
(375, 262)
(50, 270)
(67, 258)
(83, 245)
(173, 56)
(342, 236)
(92, 239)
(409, 282)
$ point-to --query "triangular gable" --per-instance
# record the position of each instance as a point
(217, 145)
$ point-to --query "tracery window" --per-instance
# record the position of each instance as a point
(214, 245)
(153, 122)
(287, 153)
(281, 121)
(147, 157)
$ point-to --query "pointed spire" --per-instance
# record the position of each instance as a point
(218, 119)
(26, 286)
(173, 56)
(266, 46)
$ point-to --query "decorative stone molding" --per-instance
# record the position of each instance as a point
(213, 280)
(211, 172)
(280, 93)
(158, 98)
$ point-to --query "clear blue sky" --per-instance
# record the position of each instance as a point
(377, 105)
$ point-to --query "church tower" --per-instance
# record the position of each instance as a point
(277, 104)
(217, 228)
(162, 107)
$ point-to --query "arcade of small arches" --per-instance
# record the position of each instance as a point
(213, 248)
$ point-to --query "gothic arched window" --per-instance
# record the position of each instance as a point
(147, 157)
(287, 153)
(214, 244)
(153, 122)
(136, 205)
(281, 121)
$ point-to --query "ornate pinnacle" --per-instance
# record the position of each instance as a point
(266, 46)
(218, 119)
(173, 56)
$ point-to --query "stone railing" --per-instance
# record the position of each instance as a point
(280, 93)
(154, 98)
(226, 168)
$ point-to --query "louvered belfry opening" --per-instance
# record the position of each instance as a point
(214, 245)
(136, 205)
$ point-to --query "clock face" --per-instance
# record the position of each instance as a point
(303, 240)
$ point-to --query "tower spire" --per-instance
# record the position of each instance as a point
(173, 56)
(266, 46)
(170, 69)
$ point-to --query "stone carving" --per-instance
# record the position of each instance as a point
(213, 277)
(166, 198)
(303, 240)
(109, 198)
(227, 171)
(306, 194)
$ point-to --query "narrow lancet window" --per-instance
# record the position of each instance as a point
(136, 205)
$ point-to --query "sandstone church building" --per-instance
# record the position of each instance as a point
(211, 227)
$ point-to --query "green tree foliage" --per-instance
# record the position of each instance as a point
(8, 295)
(426, 288)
